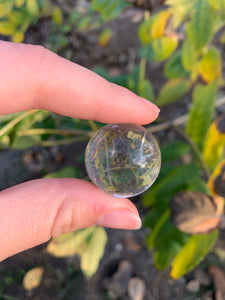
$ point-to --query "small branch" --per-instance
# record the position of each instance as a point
(16, 120)
(178, 121)
(93, 126)
(194, 148)
(63, 132)
(63, 141)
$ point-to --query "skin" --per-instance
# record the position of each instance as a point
(32, 77)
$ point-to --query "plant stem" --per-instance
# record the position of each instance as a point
(63, 132)
(93, 126)
(143, 60)
(63, 141)
(194, 148)
(16, 120)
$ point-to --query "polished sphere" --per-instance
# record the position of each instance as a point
(123, 159)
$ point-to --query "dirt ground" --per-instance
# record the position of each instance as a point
(126, 260)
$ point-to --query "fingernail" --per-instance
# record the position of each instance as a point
(151, 105)
(120, 218)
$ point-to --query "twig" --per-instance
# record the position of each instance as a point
(16, 120)
(180, 120)
(63, 141)
(194, 148)
(63, 132)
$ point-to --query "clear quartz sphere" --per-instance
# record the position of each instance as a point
(123, 159)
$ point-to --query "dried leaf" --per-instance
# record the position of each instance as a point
(32, 278)
(195, 212)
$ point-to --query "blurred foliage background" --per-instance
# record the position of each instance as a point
(185, 41)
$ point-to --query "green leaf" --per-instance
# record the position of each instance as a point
(24, 142)
(84, 23)
(91, 257)
(200, 29)
(164, 255)
(172, 91)
(174, 151)
(174, 68)
(152, 217)
(7, 28)
(6, 7)
(201, 112)
(57, 15)
(159, 49)
(32, 7)
(178, 179)
(210, 67)
(145, 89)
(16, 17)
(109, 9)
(164, 237)
(189, 56)
(67, 172)
(192, 253)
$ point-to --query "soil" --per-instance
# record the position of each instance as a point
(126, 256)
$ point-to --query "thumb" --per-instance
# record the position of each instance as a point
(32, 212)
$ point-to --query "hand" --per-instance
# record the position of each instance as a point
(32, 77)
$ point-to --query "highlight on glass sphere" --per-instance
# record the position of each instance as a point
(123, 159)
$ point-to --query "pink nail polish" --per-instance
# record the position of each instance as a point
(151, 105)
(120, 218)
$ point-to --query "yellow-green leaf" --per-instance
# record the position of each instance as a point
(201, 112)
(16, 17)
(210, 67)
(6, 7)
(218, 4)
(69, 244)
(180, 10)
(213, 148)
(32, 7)
(159, 49)
(91, 257)
(201, 27)
(19, 3)
(154, 27)
(189, 56)
(216, 181)
(32, 278)
(57, 16)
(7, 28)
(172, 90)
(18, 37)
(192, 253)
(104, 37)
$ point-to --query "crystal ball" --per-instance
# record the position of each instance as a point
(123, 159)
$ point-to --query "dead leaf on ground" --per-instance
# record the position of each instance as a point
(32, 278)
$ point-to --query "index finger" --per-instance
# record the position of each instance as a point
(33, 77)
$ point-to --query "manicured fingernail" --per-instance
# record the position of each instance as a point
(120, 218)
(151, 105)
